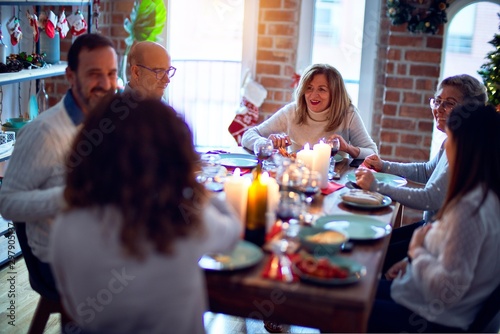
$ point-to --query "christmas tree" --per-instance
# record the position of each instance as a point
(491, 72)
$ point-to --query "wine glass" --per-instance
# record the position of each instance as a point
(334, 146)
(263, 149)
(310, 185)
(211, 167)
(288, 212)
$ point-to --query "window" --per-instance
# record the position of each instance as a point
(342, 33)
(208, 55)
(461, 31)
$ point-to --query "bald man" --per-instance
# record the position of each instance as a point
(150, 70)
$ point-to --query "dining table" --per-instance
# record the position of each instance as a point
(329, 308)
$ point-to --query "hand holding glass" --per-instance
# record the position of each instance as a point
(263, 148)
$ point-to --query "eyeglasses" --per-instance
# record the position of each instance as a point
(160, 74)
(447, 105)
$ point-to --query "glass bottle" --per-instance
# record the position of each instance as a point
(42, 98)
(255, 225)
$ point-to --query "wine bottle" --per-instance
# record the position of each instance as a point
(42, 98)
(255, 225)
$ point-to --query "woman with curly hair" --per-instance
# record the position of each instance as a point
(125, 251)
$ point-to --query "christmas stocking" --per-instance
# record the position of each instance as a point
(246, 118)
(33, 19)
(50, 25)
(253, 97)
(14, 30)
(77, 23)
(62, 25)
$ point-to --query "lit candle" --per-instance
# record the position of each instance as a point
(306, 156)
(273, 197)
(321, 161)
(236, 189)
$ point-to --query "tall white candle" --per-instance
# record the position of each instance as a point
(306, 156)
(236, 189)
(321, 161)
(273, 198)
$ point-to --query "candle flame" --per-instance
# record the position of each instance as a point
(264, 178)
(237, 172)
(306, 146)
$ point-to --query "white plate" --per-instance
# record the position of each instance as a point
(244, 255)
(358, 227)
(238, 160)
(392, 180)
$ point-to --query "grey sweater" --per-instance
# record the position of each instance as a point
(433, 173)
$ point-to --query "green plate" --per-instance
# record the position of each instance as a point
(238, 160)
(244, 255)
(385, 202)
(358, 227)
(338, 158)
(392, 180)
(356, 272)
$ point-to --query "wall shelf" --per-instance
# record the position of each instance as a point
(33, 74)
(42, 3)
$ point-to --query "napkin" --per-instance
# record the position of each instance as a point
(272, 269)
(332, 186)
(243, 170)
(363, 197)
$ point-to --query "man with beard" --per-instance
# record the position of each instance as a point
(33, 184)
(150, 71)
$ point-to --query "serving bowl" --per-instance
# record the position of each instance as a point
(16, 122)
(322, 242)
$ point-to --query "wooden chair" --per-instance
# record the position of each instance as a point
(49, 301)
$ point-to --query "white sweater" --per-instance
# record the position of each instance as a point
(457, 267)
(33, 182)
(283, 121)
(105, 291)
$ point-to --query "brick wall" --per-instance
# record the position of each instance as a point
(277, 51)
(112, 16)
(411, 76)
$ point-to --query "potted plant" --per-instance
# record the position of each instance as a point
(146, 22)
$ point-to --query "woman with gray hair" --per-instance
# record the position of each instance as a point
(451, 92)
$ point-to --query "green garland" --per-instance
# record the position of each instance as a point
(424, 21)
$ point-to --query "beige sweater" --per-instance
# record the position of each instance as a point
(34, 180)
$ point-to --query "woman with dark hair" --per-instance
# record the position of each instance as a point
(322, 108)
(125, 251)
(453, 263)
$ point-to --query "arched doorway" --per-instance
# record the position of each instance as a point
(471, 25)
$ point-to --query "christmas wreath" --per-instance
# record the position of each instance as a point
(421, 15)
